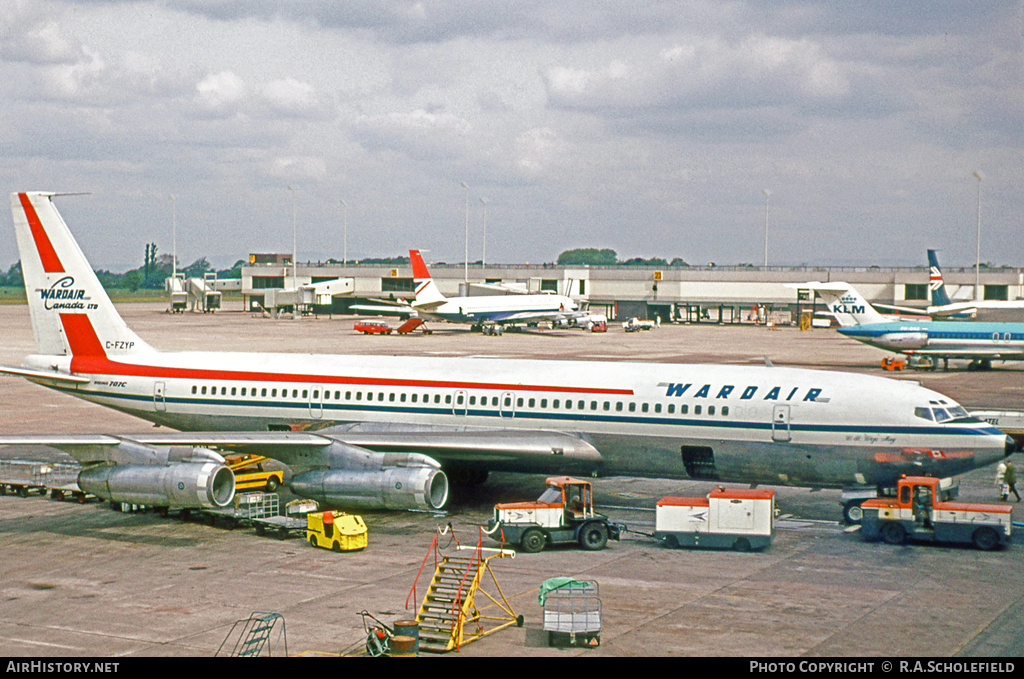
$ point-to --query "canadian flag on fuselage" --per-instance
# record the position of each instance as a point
(71, 312)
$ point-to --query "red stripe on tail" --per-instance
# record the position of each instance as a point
(82, 336)
(51, 262)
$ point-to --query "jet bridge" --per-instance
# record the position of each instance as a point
(300, 301)
(202, 295)
(175, 287)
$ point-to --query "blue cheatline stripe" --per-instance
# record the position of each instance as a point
(712, 421)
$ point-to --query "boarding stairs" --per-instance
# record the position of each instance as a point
(448, 616)
(262, 634)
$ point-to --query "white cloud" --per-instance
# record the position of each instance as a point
(703, 72)
(44, 44)
(220, 92)
(291, 97)
(575, 117)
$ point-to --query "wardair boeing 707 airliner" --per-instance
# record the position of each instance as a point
(378, 431)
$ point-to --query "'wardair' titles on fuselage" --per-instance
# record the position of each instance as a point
(728, 391)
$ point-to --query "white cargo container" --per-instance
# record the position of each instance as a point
(740, 519)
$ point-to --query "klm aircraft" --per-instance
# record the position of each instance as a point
(980, 343)
(944, 307)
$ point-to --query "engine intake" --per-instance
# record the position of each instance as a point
(182, 485)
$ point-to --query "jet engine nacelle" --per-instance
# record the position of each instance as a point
(902, 340)
(182, 485)
(390, 488)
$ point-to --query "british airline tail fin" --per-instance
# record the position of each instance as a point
(71, 312)
(844, 302)
(935, 283)
(427, 293)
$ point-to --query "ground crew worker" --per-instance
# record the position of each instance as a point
(1001, 480)
(1011, 479)
(923, 506)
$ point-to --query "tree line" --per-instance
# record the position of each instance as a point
(157, 267)
(150, 276)
(608, 257)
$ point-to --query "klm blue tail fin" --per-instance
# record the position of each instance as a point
(935, 284)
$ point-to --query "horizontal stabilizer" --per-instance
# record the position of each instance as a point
(43, 375)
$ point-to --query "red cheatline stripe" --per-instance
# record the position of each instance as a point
(81, 336)
(92, 364)
(51, 262)
(89, 357)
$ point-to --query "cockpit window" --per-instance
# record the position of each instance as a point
(955, 414)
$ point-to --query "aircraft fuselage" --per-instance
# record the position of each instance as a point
(731, 423)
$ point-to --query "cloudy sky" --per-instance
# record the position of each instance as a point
(651, 128)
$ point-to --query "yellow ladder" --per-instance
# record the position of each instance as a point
(449, 605)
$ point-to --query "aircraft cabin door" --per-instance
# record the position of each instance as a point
(780, 423)
(316, 404)
(159, 389)
(508, 405)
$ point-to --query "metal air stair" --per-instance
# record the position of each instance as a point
(259, 633)
(448, 616)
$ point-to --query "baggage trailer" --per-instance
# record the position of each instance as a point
(23, 477)
(740, 519)
(923, 510)
(258, 510)
(572, 612)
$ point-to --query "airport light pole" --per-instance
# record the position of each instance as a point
(467, 230)
(766, 193)
(344, 240)
(295, 270)
(977, 259)
(483, 258)
(174, 238)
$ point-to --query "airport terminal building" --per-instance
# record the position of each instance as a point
(725, 294)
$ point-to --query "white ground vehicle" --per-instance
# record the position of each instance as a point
(563, 513)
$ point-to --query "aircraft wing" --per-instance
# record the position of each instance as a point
(503, 288)
(973, 352)
(484, 448)
(385, 309)
(532, 316)
(430, 306)
(903, 309)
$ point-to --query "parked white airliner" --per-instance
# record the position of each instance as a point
(376, 430)
(478, 311)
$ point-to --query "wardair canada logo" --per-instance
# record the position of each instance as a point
(63, 295)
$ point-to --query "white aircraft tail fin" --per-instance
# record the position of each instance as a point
(71, 312)
(844, 302)
(427, 292)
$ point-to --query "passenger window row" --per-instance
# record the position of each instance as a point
(460, 399)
